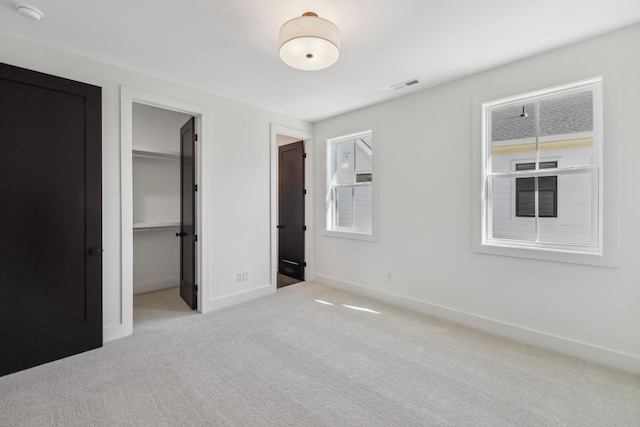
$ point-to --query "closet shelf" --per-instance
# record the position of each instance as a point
(155, 154)
(155, 225)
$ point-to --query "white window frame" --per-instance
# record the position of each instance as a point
(330, 228)
(596, 170)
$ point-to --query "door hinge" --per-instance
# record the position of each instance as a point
(304, 191)
(195, 237)
(304, 227)
(95, 251)
(195, 137)
(195, 287)
(304, 155)
(305, 263)
(195, 187)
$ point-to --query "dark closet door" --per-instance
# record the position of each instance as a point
(51, 215)
(291, 225)
(187, 233)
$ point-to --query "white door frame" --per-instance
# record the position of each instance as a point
(309, 254)
(127, 97)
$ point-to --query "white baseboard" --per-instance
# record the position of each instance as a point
(593, 353)
(114, 332)
(237, 298)
(155, 285)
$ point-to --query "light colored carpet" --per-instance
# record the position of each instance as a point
(152, 308)
(310, 355)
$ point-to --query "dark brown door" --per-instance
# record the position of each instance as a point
(187, 234)
(291, 194)
(51, 244)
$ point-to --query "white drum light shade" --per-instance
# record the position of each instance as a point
(309, 43)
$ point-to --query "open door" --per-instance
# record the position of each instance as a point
(291, 194)
(51, 244)
(187, 234)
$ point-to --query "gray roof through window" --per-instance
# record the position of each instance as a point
(568, 114)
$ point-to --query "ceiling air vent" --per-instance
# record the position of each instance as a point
(405, 84)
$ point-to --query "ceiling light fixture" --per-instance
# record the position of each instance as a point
(30, 12)
(309, 43)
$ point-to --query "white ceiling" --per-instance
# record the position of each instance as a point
(230, 47)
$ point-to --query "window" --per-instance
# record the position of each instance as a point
(350, 184)
(542, 170)
(547, 192)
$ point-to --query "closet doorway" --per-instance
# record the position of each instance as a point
(163, 207)
(152, 237)
(158, 235)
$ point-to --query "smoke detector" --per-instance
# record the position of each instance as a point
(29, 11)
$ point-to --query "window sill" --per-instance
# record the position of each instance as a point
(371, 237)
(593, 258)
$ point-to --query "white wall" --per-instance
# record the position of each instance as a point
(427, 178)
(156, 259)
(156, 190)
(239, 168)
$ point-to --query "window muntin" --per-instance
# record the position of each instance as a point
(350, 179)
(543, 205)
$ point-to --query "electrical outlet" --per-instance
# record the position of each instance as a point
(245, 275)
(239, 276)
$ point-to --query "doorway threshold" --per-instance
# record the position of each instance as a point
(286, 281)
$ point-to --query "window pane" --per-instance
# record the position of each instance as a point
(525, 184)
(526, 200)
(362, 200)
(505, 224)
(344, 207)
(525, 166)
(566, 128)
(574, 222)
(547, 192)
(344, 162)
(547, 197)
(513, 122)
(363, 155)
(547, 203)
(513, 132)
(566, 114)
(547, 183)
(531, 166)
